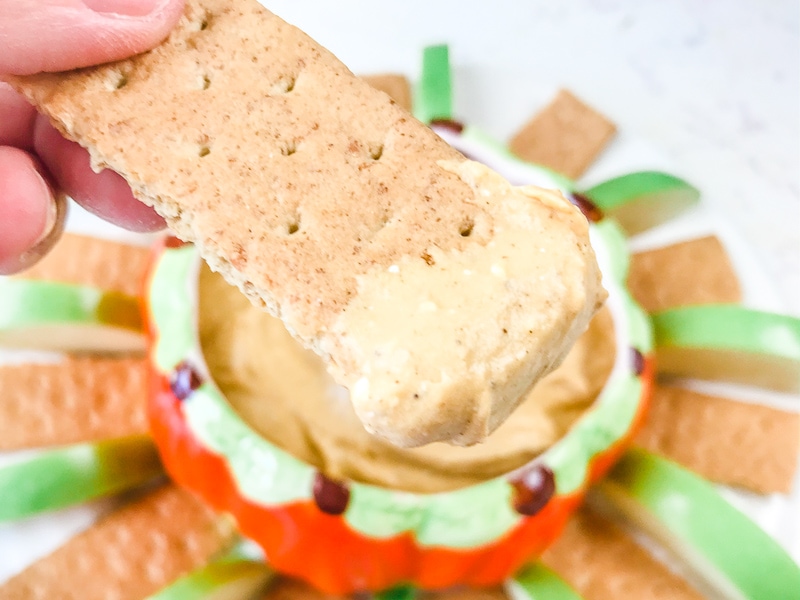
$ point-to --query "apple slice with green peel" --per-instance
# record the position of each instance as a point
(537, 581)
(731, 343)
(62, 477)
(688, 516)
(433, 99)
(46, 315)
(229, 578)
(643, 199)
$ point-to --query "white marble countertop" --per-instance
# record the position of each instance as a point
(712, 85)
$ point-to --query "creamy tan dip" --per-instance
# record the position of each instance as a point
(442, 349)
(285, 394)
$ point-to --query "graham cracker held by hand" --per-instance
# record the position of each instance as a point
(734, 443)
(128, 555)
(396, 86)
(84, 260)
(566, 136)
(696, 271)
(326, 203)
(75, 400)
(600, 562)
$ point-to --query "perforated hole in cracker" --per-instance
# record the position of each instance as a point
(117, 79)
(293, 225)
(465, 229)
(199, 21)
(376, 151)
(288, 148)
(284, 85)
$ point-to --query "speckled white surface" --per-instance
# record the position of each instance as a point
(712, 85)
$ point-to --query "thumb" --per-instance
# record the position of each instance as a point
(58, 35)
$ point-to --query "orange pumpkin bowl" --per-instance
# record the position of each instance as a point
(344, 536)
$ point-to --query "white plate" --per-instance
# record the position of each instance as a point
(494, 59)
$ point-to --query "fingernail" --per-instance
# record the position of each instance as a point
(128, 8)
(53, 228)
(52, 209)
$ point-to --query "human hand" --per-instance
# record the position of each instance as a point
(37, 165)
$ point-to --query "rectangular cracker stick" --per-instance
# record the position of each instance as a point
(600, 562)
(396, 86)
(435, 291)
(85, 260)
(735, 443)
(75, 400)
(129, 554)
(566, 135)
(696, 271)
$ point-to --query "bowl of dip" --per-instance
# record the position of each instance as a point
(252, 423)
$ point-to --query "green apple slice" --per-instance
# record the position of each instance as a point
(434, 99)
(62, 477)
(537, 582)
(643, 199)
(229, 578)
(46, 315)
(730, 342)
(689, 517)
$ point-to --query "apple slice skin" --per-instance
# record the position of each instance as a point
(730, 342)
(62, 477)
(433, 96)
(643, 199)
(537, 581)
(50, 315)
(686, 513)
(379, 538)
(225, 579)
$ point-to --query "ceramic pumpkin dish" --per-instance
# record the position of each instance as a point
(346, 534)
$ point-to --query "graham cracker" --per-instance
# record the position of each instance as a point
(600, 561)
(566, 136)
(696, 271)
(233, 95)
(396, 86)
(75, 400)
(90, 261)
(129, 554)
(299, 182)
(735, 443)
